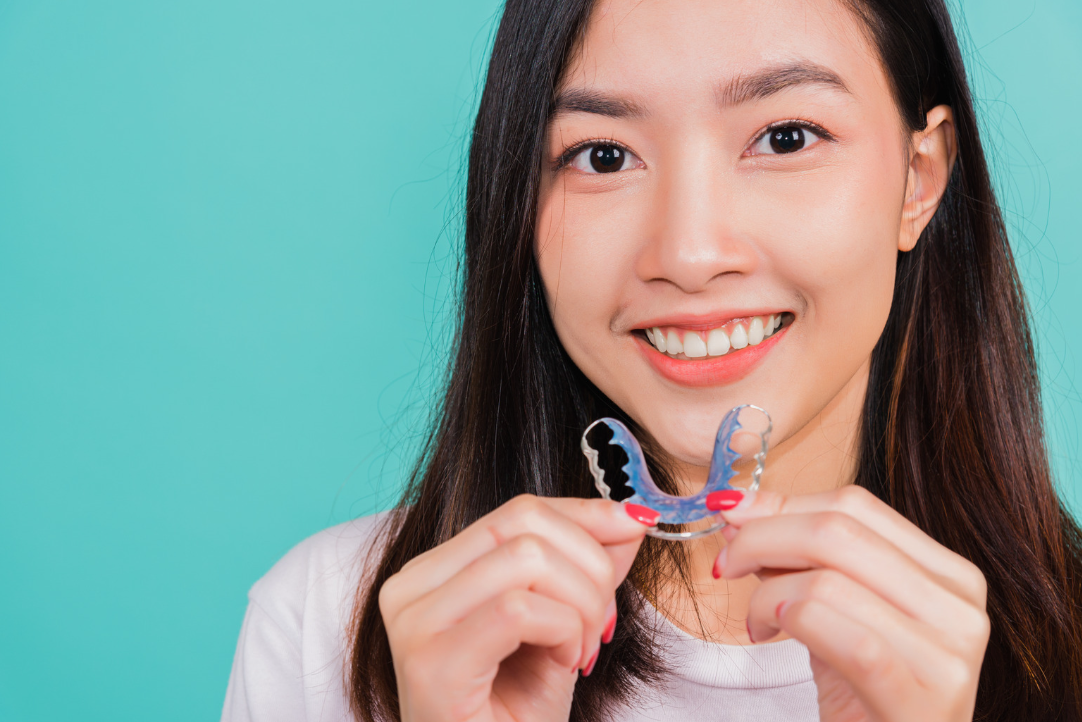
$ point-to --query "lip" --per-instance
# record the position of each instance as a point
(717, 371)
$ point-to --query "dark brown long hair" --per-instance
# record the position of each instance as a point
(951, 435)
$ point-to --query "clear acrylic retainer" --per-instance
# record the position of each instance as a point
(739, 451)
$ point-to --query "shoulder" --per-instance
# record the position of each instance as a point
(290, 658)
(323, 572)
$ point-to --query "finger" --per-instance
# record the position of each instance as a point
(579, 527)
(606, 521)
(878, 676)
(917, 644)
(950, 569)
(528, 563)
(838, 541)
(519, 617)
(478, 645)
(621, 542)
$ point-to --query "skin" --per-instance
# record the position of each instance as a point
(704, 223)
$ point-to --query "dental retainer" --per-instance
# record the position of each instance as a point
(741, 442)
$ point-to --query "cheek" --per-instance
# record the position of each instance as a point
(832, 236)
(837, 241)
(584, 254)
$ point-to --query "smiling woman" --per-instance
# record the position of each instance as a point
(673, 208)
(706, 233)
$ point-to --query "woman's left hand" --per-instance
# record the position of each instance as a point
(895, 622)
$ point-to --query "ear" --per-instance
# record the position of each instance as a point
(934, 150)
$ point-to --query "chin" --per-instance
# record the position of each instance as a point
(688, 437)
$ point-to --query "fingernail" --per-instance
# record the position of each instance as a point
(590, 666)
(723, 500)
(743, 498)
(747, 626)
(780, 610)
(642, 514)
(719, 563)
(610, 627)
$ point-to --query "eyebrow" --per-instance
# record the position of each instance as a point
(766, 82)
(581, 100)
(742, 89)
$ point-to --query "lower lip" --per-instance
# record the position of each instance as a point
(710, 371)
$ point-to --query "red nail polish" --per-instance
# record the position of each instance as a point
(723, 500)
(747, 626)
(610, 630)
(590, 666)
(715, 571)
(642, 514)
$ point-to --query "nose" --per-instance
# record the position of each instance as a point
(695, 235)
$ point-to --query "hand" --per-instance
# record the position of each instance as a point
(895, 622)
(495, 623)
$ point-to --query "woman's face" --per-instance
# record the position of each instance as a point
(713, 167)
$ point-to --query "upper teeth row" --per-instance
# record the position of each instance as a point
(718, 342)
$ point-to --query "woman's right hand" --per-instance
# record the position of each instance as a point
(495, 623)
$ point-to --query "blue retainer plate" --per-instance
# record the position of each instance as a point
(685, 509)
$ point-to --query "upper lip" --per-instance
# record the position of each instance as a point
(703, 322)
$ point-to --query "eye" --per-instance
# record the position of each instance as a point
(785, 139)
(604, 158)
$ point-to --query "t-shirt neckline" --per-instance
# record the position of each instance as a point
(730, 666)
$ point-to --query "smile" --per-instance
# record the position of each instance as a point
(733, 336)
(702, 355)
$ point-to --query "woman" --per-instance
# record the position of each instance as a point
(673, 208)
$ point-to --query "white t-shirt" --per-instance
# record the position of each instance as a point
(291, 656)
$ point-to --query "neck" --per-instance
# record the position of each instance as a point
(818, 457)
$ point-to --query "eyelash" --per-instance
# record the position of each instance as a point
(569, 154)
(818, 130)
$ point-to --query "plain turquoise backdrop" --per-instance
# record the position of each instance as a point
(226, 243)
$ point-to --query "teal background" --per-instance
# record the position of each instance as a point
(226, 244)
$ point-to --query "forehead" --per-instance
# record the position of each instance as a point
(680, 46)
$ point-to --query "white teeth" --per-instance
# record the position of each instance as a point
(755, 331)
(673, 345)
(717, 342)
(739, 337)
(694, 347)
